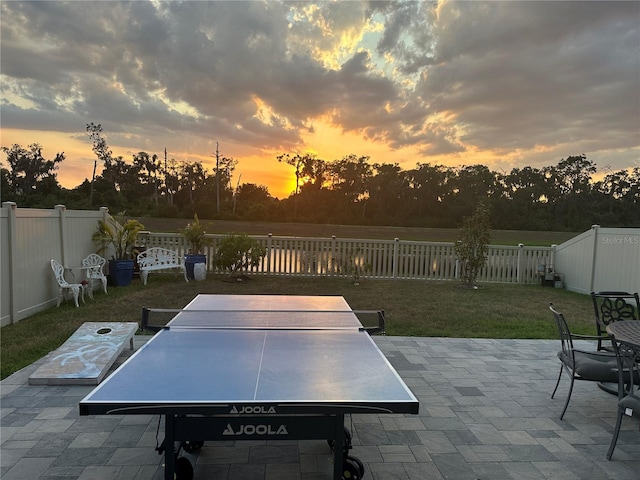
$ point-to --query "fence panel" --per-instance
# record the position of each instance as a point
(574, 259)
(319, 257)
(602, 259)
(531, 260)
(31, 237)
(617, 260)
(6, 247)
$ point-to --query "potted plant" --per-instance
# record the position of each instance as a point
(196, 238)
(119, 234)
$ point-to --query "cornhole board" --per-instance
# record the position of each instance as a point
(85, 358)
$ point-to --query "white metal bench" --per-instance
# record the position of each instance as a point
(157, 258)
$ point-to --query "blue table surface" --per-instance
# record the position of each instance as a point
(207, 366)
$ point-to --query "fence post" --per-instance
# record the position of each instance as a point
(396, 256)
(269, 236)
(11, 224)
(105, 213)
(144, 237)
(107, 251)
(592, 279)
(332, 261)
(62, 225)
(519, 267)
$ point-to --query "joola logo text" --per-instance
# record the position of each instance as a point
(255, 430)
(250, 410)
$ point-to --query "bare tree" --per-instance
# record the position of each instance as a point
(100, 148)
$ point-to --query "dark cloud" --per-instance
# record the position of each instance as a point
(440, 77)
(517, 75)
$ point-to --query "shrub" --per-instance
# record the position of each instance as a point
(237, 252)
(352, 264)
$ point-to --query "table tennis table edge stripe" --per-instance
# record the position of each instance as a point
(352, 405)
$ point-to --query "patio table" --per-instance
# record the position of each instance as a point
(78, 268)
(627, 331)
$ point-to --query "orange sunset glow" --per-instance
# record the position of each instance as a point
(503, 84)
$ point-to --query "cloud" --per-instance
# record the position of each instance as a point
(521, 74)
(494, 79)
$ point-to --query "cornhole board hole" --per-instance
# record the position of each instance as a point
(85, 358)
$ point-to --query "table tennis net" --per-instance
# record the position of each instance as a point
(156, 319)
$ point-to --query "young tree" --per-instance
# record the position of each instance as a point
(237, 253)
(473, 244)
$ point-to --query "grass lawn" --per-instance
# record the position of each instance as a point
(412, 307)
(498, 237)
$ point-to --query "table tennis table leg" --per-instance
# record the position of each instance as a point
(169, 446)
(338, 452)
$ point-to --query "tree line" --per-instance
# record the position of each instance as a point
(350, 190)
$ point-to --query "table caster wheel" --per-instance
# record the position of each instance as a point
(360, 465)
(352, 469)
(183, 469)
(192, 446)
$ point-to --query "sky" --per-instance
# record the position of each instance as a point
(505, 84)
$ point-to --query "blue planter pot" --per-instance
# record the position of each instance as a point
(121, 272)
(191, 260)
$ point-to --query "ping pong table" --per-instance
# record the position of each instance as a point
(248, 367)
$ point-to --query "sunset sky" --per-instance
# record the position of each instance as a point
(504, 84)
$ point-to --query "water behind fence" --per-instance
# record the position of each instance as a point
(391, 259)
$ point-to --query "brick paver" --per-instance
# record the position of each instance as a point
(485, 413)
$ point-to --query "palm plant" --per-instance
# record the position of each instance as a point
(118, 233)
(196, 236)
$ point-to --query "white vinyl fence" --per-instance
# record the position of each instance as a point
(390, 259)
(601, 259)
(30, 238)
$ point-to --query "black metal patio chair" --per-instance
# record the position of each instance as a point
(628, 360)
(613, 307)
(579, 364)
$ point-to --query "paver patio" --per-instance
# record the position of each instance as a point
(485, 413)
